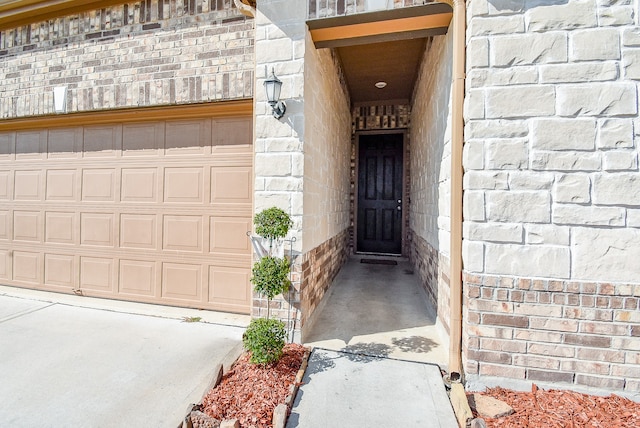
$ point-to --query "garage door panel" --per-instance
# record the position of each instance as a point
(5, 185)
(229, 235)
(142, 139)
(183, 233)
(31, 145)
(98, 185)
(102, 141)
(60, 227)
(153, 211)
(97, 274)
(96, 229)
(7, 145)
(64, 143)
(139, 185)
(182, 281)
(138, 231)
(27, 226)
(187, 137)
(231, 185)
(137, 277)
(184, 185)
(228, 285)
(61, 185)
(5, 225)
(5, 264)
(28, 185)
(26, 267)
(59, 270)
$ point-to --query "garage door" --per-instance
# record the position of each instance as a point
(151, 211)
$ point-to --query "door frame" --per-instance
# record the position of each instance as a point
(405, 175)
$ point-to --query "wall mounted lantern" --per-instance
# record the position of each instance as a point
(272, 86)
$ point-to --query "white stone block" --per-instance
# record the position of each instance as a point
(481, 78)
(480, 180)
(472, 256)
(498, 7)
(601, 71)
(631, 37)
(633, 217)
(473, 205)
(588, 215)
(527, 260)
(605, 254)
(494, 232)
(547, 234)
(597, 99)
(477, 53)
(496, 129)
(473, 155)
(565, 161)
(264, 200)
(474, 104)
(507, 154)
(518, 206)
(286, 184)
(272, 164)
(563, 134)
(530, 180)
(520, 101)
(615, 134)
(613, 16)
(269, 51)
(619, 160)
(617, 189)
(631, 63)
(538, 48)
(594, 45)
(561, 16)
(572, 188)
(493, 25)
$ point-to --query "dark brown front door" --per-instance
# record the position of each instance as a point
(380, 194)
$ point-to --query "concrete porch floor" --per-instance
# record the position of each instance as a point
(379, 310)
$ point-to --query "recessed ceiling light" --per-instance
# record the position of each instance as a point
(381, 84)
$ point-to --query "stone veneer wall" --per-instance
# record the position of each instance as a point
(552, 192)
(143, 53)
(430, 137)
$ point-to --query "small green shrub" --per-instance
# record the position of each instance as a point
(272, 223)
(271, 276)
(264, 338)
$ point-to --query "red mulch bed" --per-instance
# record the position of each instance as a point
(250, 392)
(564, 409)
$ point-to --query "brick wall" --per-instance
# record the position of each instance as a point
(319, 268)
(552, 191)
(144, 53)
(583, 333)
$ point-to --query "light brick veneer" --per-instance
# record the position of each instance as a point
(330, 8)
(552, 192)
(142, 53)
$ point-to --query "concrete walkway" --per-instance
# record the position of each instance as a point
(66, 365)
(379, 310)
(348, 390)
(377, 356)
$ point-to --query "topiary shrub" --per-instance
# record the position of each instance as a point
(265, 339)
(271, 276)
(272, 223)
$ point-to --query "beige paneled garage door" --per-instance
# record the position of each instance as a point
(151, 211)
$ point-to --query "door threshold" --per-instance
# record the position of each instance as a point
(359, 253)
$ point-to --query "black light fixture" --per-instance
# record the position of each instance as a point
(272, 86)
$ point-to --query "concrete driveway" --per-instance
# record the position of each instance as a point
(62, 364)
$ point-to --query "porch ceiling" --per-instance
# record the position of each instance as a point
(382, 46)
